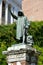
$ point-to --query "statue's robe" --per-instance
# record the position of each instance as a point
(22, 22)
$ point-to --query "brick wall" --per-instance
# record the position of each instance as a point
(33, 9)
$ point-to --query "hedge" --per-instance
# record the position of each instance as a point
(36, 30)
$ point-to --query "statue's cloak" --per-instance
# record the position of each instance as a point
(22, 23)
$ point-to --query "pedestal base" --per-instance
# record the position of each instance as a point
(21, 54)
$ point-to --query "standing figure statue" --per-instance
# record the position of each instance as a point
(22, 25)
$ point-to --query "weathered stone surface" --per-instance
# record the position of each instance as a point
(21, 54)
(17, 57)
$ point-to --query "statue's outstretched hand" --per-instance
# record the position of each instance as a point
(14, 16)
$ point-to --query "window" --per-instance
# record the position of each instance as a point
(3, 12)
(3, 9)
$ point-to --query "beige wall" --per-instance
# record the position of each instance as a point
(33, 9)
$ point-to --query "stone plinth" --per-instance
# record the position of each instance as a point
(21, 54)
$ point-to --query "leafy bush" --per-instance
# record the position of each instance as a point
(36, 30)
(40, 58)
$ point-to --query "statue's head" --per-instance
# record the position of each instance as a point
(20, 13)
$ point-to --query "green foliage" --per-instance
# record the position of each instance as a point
(7, 34)
(40, 59)
(36, 30)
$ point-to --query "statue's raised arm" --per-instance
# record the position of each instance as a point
(22, 25)
(14, 16)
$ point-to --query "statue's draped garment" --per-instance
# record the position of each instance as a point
(21, 23)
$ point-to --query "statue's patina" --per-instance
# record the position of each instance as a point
(22, 26)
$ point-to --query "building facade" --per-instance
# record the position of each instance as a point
(33, 9)
(5, 16)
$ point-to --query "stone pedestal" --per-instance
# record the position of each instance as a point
(21, 54)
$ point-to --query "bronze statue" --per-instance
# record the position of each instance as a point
(22, 26)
